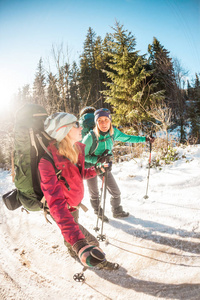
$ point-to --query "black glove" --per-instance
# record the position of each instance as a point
(101, 159)
(89, 255)
(103, 162)
(150, 139)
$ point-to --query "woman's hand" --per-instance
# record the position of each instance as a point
(150, 139)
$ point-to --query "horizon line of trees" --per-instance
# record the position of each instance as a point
(111, 73)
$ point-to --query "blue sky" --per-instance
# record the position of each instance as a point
(28, 29)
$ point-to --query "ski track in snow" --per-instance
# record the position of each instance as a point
(157, 246)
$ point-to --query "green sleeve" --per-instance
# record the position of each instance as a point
(122, 137)
(88, 141)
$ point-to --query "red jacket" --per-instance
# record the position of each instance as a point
(58, 197)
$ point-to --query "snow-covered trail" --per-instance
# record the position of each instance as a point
(157, 246)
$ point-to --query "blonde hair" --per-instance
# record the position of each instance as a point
(68, 150)
(97, 130)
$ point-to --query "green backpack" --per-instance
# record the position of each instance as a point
(30, 142)
(87, 120)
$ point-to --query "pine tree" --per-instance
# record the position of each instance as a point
(163, 72)
(180, 98)
(23, 96)
(91, 77)
(194, 112)
(74, 89)
(129, 89)
(39, 85)
(53, 95)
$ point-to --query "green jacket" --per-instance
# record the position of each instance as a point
(106, 142)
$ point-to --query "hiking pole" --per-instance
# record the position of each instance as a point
(150, 145)
(102, 237)
(80, 277)
(99, 208)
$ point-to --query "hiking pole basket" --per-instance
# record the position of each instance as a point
(80, 277)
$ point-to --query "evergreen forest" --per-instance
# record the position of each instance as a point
(144, 93)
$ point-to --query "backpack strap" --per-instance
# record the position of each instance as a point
(13, 166)
(42, 144)
(96, 141)
(57, 171)
(34, 153)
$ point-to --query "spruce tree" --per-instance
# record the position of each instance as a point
(163, 72)
(53, 95)
(194, 112)
(39, 85)
(90, 77)
(74, 89)
(129, 89)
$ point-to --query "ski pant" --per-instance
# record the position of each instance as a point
(88, 236)
(112, 188)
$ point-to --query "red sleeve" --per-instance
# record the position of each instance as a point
(89, 173)
(57, 203)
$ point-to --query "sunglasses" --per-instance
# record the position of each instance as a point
(76, 124)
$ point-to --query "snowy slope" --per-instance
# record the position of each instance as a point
(157, 246)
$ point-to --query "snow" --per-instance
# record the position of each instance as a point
(157, 246)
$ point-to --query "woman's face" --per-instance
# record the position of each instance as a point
(75, 134)
(104, 123)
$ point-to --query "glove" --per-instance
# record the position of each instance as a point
(103, 162)
(150, 139)
(89, 255)
(101, 168)
(104, 157)
(101, 159)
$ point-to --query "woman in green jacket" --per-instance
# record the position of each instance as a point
(105, 135)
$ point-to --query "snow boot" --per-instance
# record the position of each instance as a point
(119, 213)
(107, 265)
(72, 253)
(100, 215)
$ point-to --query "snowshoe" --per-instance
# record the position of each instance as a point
(107, 265)
(119, 213)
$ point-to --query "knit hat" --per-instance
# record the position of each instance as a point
(102, 112)
(86, 110)
(59, 124)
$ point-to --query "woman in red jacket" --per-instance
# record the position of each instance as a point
(64, 196)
